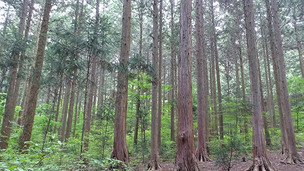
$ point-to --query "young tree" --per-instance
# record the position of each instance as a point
(120, 150)
(35, 81)
(260, 159)
(202, 90)
(185, 156)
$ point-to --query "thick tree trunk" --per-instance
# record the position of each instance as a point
(120, 150)
(32, 102)
(153, 164)
(185, 157)
(202, 90)
(260, 159)
(10, 105)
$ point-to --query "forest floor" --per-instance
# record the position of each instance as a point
(274, 157)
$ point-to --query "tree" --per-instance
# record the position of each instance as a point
(185, 156)
(120, 150)
(202, 90)
(172, 72)
(11, 100)
(260, 159)
(35, 81)
(292, 155)
(154, 165)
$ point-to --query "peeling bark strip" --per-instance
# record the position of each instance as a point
(120, 150)
(35, 82)
(185, 157)
(260, 160)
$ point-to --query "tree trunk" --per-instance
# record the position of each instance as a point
(32, 102)
(276, 76)
(260, 159)
(160, 60)
(10, 105)
(218, 77)
(185, 157)
(64, 112)
(299, 46)
(173, 66)
(292, 156)
(202, 90)
(153, 164)
(120, 150)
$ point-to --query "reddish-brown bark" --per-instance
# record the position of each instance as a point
(35, 83)
(120, 150)
(260, 159)
(185, 157)
(202, 90)
(10, 104)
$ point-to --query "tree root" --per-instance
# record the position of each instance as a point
(292, 159)
(154, 166)
(261, 164)
(203, 158)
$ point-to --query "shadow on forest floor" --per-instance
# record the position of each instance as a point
(274, 157)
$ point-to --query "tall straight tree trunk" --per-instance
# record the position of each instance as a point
(78, 97)
(64, 112)
(120, 150)
(71, 108)
(10, 105)
(218, 77)
(292, 156)
(92, 84)
(299, 46)
(213, 90)
(4, 33)
(276, 76)
(172, 73)
(74, 79)
(185, 156)
(22, 57)
(32, 102)
(153, 164)
(202, 89)
(138, 101)
(160, 63)
(260, 159)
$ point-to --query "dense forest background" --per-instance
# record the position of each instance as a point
(127, 85)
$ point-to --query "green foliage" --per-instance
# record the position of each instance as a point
(227, 151)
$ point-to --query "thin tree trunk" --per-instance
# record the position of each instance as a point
(299, 46)
(120, 150)
(76, 112)
(218, 77)
(10, 105)
(173, 66)
(64, 112)
(32, 102)
(160, 63)
(185, 156)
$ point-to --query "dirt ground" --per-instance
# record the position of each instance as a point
(274, 157)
